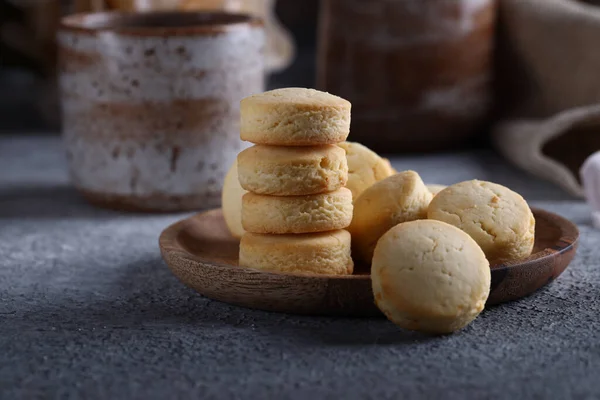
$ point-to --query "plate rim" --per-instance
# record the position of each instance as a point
(569, 239)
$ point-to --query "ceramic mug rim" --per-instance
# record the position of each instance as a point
(150, 23)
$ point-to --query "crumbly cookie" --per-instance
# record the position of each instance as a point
(429, 276)
(231, 202)
(325, 253)
(292, 171)
(399, 198)
(499, 219)
(297, 214)
(294, 117)
(435, 189)
(365, 167)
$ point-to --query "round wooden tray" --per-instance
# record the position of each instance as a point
(203, 255)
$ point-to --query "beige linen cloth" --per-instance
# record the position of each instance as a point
(549, 87)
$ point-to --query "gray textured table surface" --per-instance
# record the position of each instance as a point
(89, 310)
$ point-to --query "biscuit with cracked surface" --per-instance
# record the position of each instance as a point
(294, 117)
(292, 171)
(365, 167)
(399, 198)
(231, 202)
(497, 218)
(297, 214)
(429, 276)
(325, 253)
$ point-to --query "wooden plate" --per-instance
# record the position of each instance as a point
(202, 254)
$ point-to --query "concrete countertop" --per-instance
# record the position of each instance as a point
(89, 310)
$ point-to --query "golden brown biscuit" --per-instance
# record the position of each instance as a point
(430, 276)
(399, 198)
(297, 214)
(294, 117)
(231, 201)
(497, 218)
(365, 167)
(311, 253)
(292, 171)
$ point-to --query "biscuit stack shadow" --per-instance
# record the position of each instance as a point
(297, 206)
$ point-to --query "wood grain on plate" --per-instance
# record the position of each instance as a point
(200, 251)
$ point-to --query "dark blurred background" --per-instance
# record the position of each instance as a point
(27, 93)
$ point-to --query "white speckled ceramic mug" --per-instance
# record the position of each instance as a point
(151, 104)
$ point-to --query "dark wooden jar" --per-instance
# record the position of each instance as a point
(418, 72)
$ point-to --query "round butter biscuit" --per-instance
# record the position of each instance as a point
(326, 253)
(231, 202)
(497, 218)
(365, 167)
(294, 117)
(292, 171)
(430, 276)
(297, 214)
(399, 198)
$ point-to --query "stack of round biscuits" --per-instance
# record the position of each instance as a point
(297, 206)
